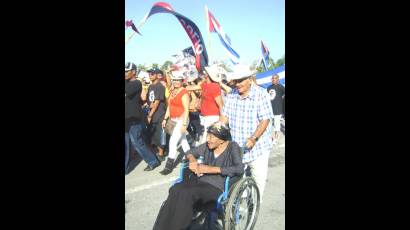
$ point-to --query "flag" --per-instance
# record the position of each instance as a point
(265, 79)
(188, 52)
(214, 27)
(265, 55)
(201, 56)
(129, 23)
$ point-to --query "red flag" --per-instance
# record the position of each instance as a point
(192, 30)
(129, 23)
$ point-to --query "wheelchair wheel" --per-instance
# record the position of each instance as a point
(243, 205)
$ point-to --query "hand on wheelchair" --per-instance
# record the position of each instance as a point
(250, 143)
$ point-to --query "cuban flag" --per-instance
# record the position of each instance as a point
(265, 79)
(214, 27)
(265, 55)
(201, 56)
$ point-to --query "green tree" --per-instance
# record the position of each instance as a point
(280, 61)
(141, 67)
(166, 65)
(271, 64)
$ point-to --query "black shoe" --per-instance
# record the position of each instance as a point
(166, 171)
(169, 166)
(150, 168)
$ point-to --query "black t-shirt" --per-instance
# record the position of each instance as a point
(157, 92)
(133, 110)
(277, 92)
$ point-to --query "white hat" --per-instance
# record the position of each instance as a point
(142, 75)
(241, 71)
(147, 79)
(214, 72)
(177, 75)
(192, 76)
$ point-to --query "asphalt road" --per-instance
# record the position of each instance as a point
(145, 192)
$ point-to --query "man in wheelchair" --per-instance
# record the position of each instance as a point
(204, 182)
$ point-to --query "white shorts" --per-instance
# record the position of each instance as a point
(276, 122)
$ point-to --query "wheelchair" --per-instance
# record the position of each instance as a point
(237, 208)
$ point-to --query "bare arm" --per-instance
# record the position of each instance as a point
(226, 88)
(166, 116)
(219, 102)
(193, 87)
(144, 93)
(185, 115)
(168, 78)
(224, 119)
(153, 108)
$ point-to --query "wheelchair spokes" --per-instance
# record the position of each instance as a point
(242, 211)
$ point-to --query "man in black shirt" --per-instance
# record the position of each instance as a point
(221, 158)
(277, 94)
(134, 120)
(157, 108)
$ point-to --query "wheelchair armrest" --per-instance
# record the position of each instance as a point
(184, 164)
(224, 196)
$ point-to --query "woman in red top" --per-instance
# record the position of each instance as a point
(178, 104)
(211, 99)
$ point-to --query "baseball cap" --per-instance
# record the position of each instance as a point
(130, 66)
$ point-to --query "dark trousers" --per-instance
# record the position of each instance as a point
(195, 128)
(177, 211)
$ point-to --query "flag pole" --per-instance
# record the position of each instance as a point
(142, 22)
(129, 37)
(209, 34)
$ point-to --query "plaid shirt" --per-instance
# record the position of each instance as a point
(244, 116)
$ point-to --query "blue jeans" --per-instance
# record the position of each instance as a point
(135, 134)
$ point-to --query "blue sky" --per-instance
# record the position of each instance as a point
(245, 21)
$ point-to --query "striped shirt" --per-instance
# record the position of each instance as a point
(244, 116)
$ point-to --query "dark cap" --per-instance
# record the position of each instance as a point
(160, 71)
(153, 70)
(130, 66)
(220, 130)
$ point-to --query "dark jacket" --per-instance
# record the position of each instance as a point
(230, 162)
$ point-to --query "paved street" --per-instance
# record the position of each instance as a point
(145, 191)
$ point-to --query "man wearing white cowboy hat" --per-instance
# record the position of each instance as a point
(211, 99)
(248, 111)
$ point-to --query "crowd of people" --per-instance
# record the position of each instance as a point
(205, 114)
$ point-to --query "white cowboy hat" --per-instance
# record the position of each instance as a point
(177, 75)
(214, 72)
(241, 71)
(143, 75)
(192, 76)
